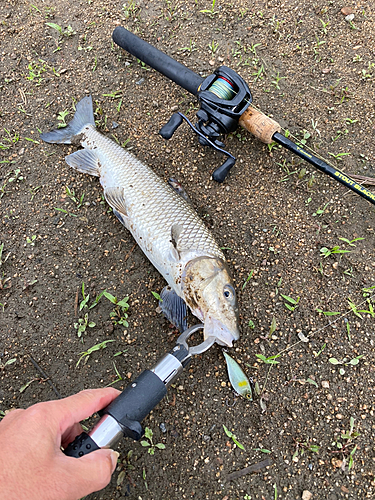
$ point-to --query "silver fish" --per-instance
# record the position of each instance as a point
(163, 224)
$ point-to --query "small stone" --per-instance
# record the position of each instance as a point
(325, 384)
(306, 495)
(349, 18)
(336, 462)
(211, 63)
(174, 108)
(139, 82)
(114, 124)
(163, 428)
(335, 265)
(345, 11)
(339, 416)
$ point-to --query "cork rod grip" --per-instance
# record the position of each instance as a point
(259, 125)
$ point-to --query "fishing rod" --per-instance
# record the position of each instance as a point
(123, 416)
(224, 99)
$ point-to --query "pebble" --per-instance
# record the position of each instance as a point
(211, 63)
(325, 384)
(139, 82)
(345, 11)
(163, 428)
(349, 18)
(306, 495)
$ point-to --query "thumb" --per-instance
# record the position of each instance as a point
(94, 471)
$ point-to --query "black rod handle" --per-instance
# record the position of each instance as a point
(325, 168)
(155, 58)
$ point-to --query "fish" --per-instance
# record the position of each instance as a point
(165, 226)
(237, 378)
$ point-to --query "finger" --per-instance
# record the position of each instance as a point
(91, 472)
(70, 410)
(12, 415)
(70, 434)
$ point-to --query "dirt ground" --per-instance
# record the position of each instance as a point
(313, 71)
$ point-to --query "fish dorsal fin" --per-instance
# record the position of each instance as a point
(85, 161)
(115, 198)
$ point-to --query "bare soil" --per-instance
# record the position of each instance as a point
(310, 69)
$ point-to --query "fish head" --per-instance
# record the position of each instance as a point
(209, 292)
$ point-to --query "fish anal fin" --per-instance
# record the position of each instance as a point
(85, 161)
(174, 308)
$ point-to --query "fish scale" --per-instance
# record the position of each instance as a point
(164, 225)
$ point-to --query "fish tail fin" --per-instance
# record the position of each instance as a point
(84, 115)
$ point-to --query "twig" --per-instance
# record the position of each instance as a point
(252, 468)
(45, 376)
(128, 254)
(76, 304)
(370, 181)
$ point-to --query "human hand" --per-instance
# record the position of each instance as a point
(32, 465)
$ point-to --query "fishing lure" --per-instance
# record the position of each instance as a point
(237, 378)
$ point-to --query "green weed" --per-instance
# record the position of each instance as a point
(326, 252)
(7, 363)
(302, 447)
(345, 445)
(233, 437)
(97, 347)
(290, 303)
(82, 324)
(271, 360)
(345, 362)
(211, 12)
(150, 443)
(118, 315)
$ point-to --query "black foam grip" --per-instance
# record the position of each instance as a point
(137, 399)
(155, 58)
(82, 445)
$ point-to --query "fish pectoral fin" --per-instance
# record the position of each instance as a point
(85, 161)
(115, 198)
(174, 308)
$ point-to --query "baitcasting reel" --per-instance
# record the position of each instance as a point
(223, 97)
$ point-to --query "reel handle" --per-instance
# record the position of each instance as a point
(221, 172)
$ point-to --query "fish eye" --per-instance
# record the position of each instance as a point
(229, 292)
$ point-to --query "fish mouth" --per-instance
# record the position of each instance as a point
(225, 336)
